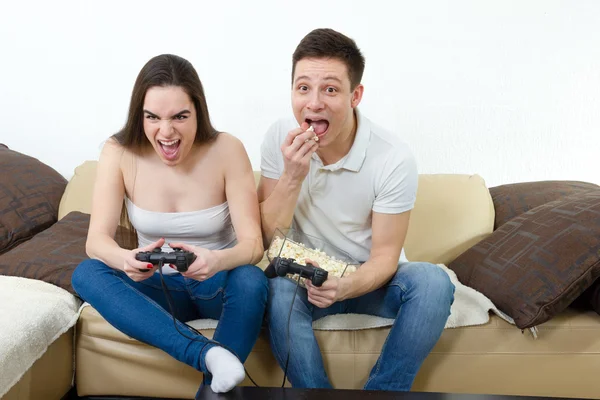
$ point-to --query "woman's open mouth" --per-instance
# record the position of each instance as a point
(169, 148)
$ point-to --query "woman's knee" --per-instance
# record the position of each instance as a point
(251, 278)
(84, 273)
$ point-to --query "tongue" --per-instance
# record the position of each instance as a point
(320, 126)
(170, 149)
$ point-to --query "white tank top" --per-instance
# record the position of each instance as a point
(210, 228)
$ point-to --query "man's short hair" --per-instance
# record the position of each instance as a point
(327, 43)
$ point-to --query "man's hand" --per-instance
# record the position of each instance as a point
(330, 292)
(297, 148)
(205, 265)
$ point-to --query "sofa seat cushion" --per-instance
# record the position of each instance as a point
(565, 350)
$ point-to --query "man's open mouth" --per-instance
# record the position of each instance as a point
(319, 125)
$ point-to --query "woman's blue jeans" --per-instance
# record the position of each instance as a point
(418, 296)
(237, 298)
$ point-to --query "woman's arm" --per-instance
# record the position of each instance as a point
(240, 190)
(107, 202)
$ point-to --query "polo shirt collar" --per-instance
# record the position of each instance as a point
(358, 152)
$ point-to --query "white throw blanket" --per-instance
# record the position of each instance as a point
(33, 314)
(470, 307)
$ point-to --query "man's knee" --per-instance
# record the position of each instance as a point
(425, 279)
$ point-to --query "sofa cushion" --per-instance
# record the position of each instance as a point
(30, 192)
(78, 193)
(538, 263)
(452, 212)
(52, 255)
(514, 199)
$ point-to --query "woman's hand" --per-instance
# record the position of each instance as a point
(139, 270)
(205, 265)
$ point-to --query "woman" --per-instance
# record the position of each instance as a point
(182, 185)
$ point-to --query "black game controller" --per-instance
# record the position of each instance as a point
(181, 259)
(280, 266)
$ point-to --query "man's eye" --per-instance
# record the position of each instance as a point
(331, 90)
(303, 88)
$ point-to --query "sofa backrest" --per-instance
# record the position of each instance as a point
(452, 212)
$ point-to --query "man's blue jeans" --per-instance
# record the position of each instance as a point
(419, 297)
(237, 298)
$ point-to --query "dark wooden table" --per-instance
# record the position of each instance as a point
(255, 393)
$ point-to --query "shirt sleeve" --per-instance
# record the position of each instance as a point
(271, 159)
(396, 190)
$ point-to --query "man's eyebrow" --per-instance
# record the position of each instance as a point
(332, 78)
(327, 78)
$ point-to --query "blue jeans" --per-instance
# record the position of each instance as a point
(419, 297)
(237, 298)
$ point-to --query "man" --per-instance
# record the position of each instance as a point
(353, 187)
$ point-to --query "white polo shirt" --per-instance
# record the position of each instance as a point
(336, 201)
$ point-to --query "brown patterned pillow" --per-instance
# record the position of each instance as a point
(535, 265)
(53, 254)
(30, 193)
(514, 199)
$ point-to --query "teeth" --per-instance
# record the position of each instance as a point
(170, 143)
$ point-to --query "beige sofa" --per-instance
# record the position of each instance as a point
(452, 213)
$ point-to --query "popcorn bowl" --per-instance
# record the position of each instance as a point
(290, 243)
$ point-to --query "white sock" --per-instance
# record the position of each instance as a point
(227, 371)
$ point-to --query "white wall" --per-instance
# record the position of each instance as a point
(506, 89)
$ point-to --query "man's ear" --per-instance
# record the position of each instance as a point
(357, 94)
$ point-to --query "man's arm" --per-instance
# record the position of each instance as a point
(389, 233)
(278, 197)
(277, 200)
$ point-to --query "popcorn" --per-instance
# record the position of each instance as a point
(300, 253)
(312, 129)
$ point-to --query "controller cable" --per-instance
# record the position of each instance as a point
(208, 341)
(287, 359)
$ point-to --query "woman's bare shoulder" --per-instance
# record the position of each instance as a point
(115, 154)
(229, 145)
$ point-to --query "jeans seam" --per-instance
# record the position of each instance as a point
(378, 363)
(220, 290)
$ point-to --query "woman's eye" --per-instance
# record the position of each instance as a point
(151, 117)
(181, 117)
